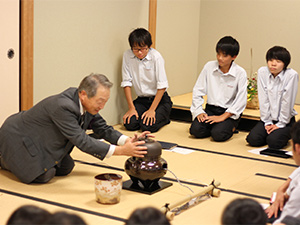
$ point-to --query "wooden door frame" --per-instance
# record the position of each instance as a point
(26, 54)
(152, 20)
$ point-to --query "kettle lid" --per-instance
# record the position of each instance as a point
(153, 147)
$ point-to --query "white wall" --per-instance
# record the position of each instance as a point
(9, 68)
(73, 38)
(177, 40)
(256, 24)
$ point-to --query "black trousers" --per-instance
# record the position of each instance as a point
(62, 169)
(2, 166)
(162, 113)
(218, 131)
(279, 138)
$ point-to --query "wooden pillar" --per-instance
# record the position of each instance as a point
(152, 20)
(26, 54)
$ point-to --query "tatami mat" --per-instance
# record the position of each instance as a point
(242, 174)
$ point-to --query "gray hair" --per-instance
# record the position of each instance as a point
(91, 83)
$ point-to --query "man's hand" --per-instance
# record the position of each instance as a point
(131, 149)
(129, 114)
(148, 117)
(141, 136)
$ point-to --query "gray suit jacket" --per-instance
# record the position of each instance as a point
(33, 141)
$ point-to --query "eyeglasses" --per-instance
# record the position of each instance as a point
(140, 49)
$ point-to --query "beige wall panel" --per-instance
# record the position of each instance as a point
(76, 37)
(256, 24)
(9, 68)
(177, 38)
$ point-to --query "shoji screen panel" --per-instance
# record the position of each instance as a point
(9, 58)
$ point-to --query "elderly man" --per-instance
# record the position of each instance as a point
(35, 145)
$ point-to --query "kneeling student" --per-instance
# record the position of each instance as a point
(143, 68)
(277, 90)
(225, 84)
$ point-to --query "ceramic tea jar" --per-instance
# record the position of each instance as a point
(108, 188)
(149, 169)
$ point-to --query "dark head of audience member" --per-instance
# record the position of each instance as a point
(147, 215)
(140, 37)
(228, 46)
(64, 218)
(244, 211)
(28, 214)
(279, 53)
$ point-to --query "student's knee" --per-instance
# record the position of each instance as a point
(194, 131)
(255, 140)
(133, 124)
(221, 135)
(275, 142)
(199, 131)
(154, 128)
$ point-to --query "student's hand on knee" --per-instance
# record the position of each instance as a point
(277, 205)
(268, 128)
(214, 119)
(272, 210)
(148, 117)
(218, 119)
(273, 127)
(202, 117)
(129, 114)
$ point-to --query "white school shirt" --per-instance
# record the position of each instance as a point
(145, 75)
(292, 206)
(111, 150)
(277, 96)
(226, 90)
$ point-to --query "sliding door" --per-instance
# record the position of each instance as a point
(9, 58)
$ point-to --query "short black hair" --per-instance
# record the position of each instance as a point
(280, 53)
(147, 215)
(29, 214)
(228, 45)
(65, 218)
(140, 37)
(244, 211)
(295, 132)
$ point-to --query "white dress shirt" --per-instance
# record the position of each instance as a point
(292, 206)
(112, 148)
(277, 96)
(226, 90)
(146, 75)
